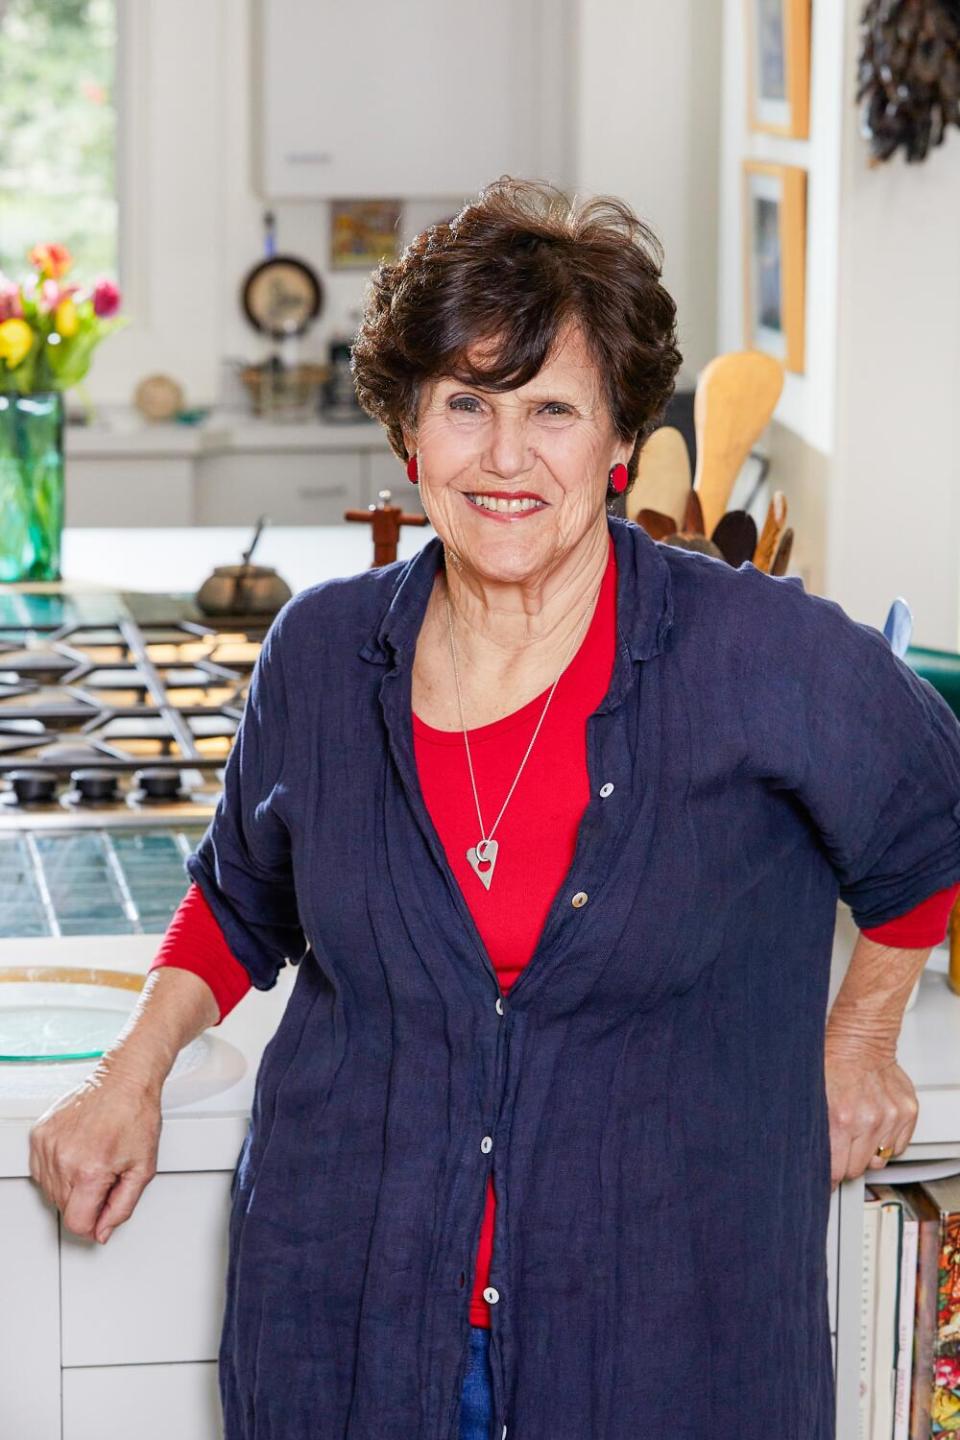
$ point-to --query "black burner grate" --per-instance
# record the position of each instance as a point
(120, 695)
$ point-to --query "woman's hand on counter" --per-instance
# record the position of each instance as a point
(94, 1151)
(871, 1102)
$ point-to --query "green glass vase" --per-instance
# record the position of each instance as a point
(31, 485)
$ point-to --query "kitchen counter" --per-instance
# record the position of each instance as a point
(179, 558)
(226, 470)
(205, 1106)
(122, 1339)
(222, 431)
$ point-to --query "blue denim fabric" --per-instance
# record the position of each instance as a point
(653, 1082)
(476, 1398)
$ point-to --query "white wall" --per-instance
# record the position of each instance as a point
(192, 214)
(864, 443)
(648, 102)
(894, 515)
(644, 102)
(807, 404)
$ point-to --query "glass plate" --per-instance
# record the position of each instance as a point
(53, 1013)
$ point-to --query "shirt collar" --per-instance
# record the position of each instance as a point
(644, 596)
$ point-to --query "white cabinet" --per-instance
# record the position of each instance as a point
(29, 1314)
(154, 1293)
(297, 488)
(364, 98)
(129, 490)
(227, 473)
(148, 1402)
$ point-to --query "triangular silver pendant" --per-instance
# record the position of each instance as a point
(490, 848)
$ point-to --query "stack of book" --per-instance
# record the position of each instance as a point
(910, 1311)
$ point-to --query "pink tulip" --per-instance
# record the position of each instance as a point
(106, 299)
(51, 294)
(11, 305)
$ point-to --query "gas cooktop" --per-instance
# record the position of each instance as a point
(117, 714)
(116, 704)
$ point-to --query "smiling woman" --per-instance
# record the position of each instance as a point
(554, 821)
(483, 300)
(521, 353)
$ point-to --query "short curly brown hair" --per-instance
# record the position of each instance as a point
(515, 266)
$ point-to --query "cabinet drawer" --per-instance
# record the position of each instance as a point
(29, 1323)
(151, 1402)
(296, 488)
(154, 1292)
(126, 490)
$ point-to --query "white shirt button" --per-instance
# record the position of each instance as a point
(486, 1144)
(499, 1006)
(490, 1295)
(606, 789)
(579, 899)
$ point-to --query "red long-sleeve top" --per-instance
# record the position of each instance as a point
(537, 836)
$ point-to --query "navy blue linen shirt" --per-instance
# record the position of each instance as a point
(654, 1082)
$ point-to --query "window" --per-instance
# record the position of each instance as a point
(58, 132)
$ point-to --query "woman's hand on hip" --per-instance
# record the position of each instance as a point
(95, 1150)
(871, 1102)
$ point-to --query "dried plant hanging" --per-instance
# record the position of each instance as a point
(909, 75)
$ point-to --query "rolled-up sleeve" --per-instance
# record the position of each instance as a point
(873, 754)
(243, 863)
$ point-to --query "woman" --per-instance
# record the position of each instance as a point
(555, 820)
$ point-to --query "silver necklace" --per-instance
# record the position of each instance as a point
(485, 852)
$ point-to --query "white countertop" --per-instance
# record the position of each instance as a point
(180, 559)
(205, 1107)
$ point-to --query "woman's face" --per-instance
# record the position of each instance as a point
(512, 481)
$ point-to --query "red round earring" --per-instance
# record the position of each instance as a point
(618, 478)
(412, 472)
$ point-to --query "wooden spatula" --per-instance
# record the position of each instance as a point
(663, 476)
(772, 532)
(735, 397)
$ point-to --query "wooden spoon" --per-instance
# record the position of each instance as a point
(663, 476)
(736, 537)
(657, 525)
(735, 397)
(782, 558)
(692, 523)
(772, 532)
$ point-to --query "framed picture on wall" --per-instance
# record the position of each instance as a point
(363, 232)
(778, 67)
(774, 260)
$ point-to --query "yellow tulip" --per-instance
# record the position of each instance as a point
(16, 338)
(65, 318)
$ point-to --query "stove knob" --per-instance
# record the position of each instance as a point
(33, 787)
(94, 786)
(159, 784)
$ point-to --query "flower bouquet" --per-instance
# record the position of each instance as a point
(49, 330)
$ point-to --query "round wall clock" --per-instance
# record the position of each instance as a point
(282, 296)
